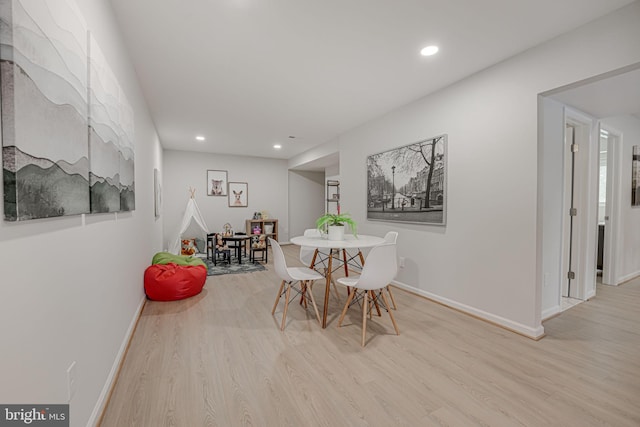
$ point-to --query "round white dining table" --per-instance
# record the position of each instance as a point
(349, 242)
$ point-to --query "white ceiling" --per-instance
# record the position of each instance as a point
(250, 73)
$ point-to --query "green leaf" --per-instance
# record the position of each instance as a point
(336, 219)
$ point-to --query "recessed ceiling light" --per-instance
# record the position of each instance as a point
(200, 138)
(429, 50)
(277, 146)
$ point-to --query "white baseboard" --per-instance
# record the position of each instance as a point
(628, 277)
(106, 389)
(550, 312)
(533, 333)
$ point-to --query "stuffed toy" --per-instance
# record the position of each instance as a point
(188, 247)
(220, 244)
(259, 242)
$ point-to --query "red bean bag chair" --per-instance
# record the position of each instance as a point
(170, 282)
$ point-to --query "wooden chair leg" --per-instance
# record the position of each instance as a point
(335, 288)
(277, 298)
(365, 303)
(393, 320)
(313, 302)
(346, 306)
(393, 300)
(375, 303)
(286, 306)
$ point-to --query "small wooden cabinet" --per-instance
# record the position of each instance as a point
(267, 226)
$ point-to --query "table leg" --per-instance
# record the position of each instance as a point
(327, 289)
(313, 260)
(346, 267)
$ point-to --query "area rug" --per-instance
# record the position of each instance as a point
(233, 268)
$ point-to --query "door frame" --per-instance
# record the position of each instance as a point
(612, 210)
(587, 136)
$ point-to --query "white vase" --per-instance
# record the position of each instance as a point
(336, 232)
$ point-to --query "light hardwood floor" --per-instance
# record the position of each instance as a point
(219, 359)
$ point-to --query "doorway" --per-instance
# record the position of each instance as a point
(579, 213)
(604, 98)
(608, 208)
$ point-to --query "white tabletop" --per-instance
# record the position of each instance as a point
(349, 242)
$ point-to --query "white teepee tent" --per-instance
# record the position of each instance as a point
(191, 216)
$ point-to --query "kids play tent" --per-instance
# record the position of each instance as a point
(193, 222)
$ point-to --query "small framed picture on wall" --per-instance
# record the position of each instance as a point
(216, 183)
(238, 194)
(635, 176)
(157, 193)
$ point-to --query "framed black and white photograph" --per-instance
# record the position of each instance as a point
(238, 194)
(157, 193)
(635, 176)
(409, 183)
(216, 183)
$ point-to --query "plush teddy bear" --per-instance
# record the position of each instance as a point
(259, 242)
(220, 244)
(188, 247)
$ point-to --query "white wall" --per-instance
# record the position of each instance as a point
(629, 244)
(321, 151)
(71, 287)
(551, 202)
(485, 260)
(267, 183)
(306, 200)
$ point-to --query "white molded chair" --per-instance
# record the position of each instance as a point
(306, 257)
(391, 237)
(306, 252)
(291, 276)
(380, 268)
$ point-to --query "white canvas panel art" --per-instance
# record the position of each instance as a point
(43, 76)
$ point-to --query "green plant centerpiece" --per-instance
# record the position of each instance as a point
(335, 225)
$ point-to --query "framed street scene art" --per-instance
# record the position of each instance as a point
(409, 183)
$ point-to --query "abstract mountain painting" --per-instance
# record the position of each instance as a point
(110, 138)
(43, 78)
(104, 116)
(127, 160)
